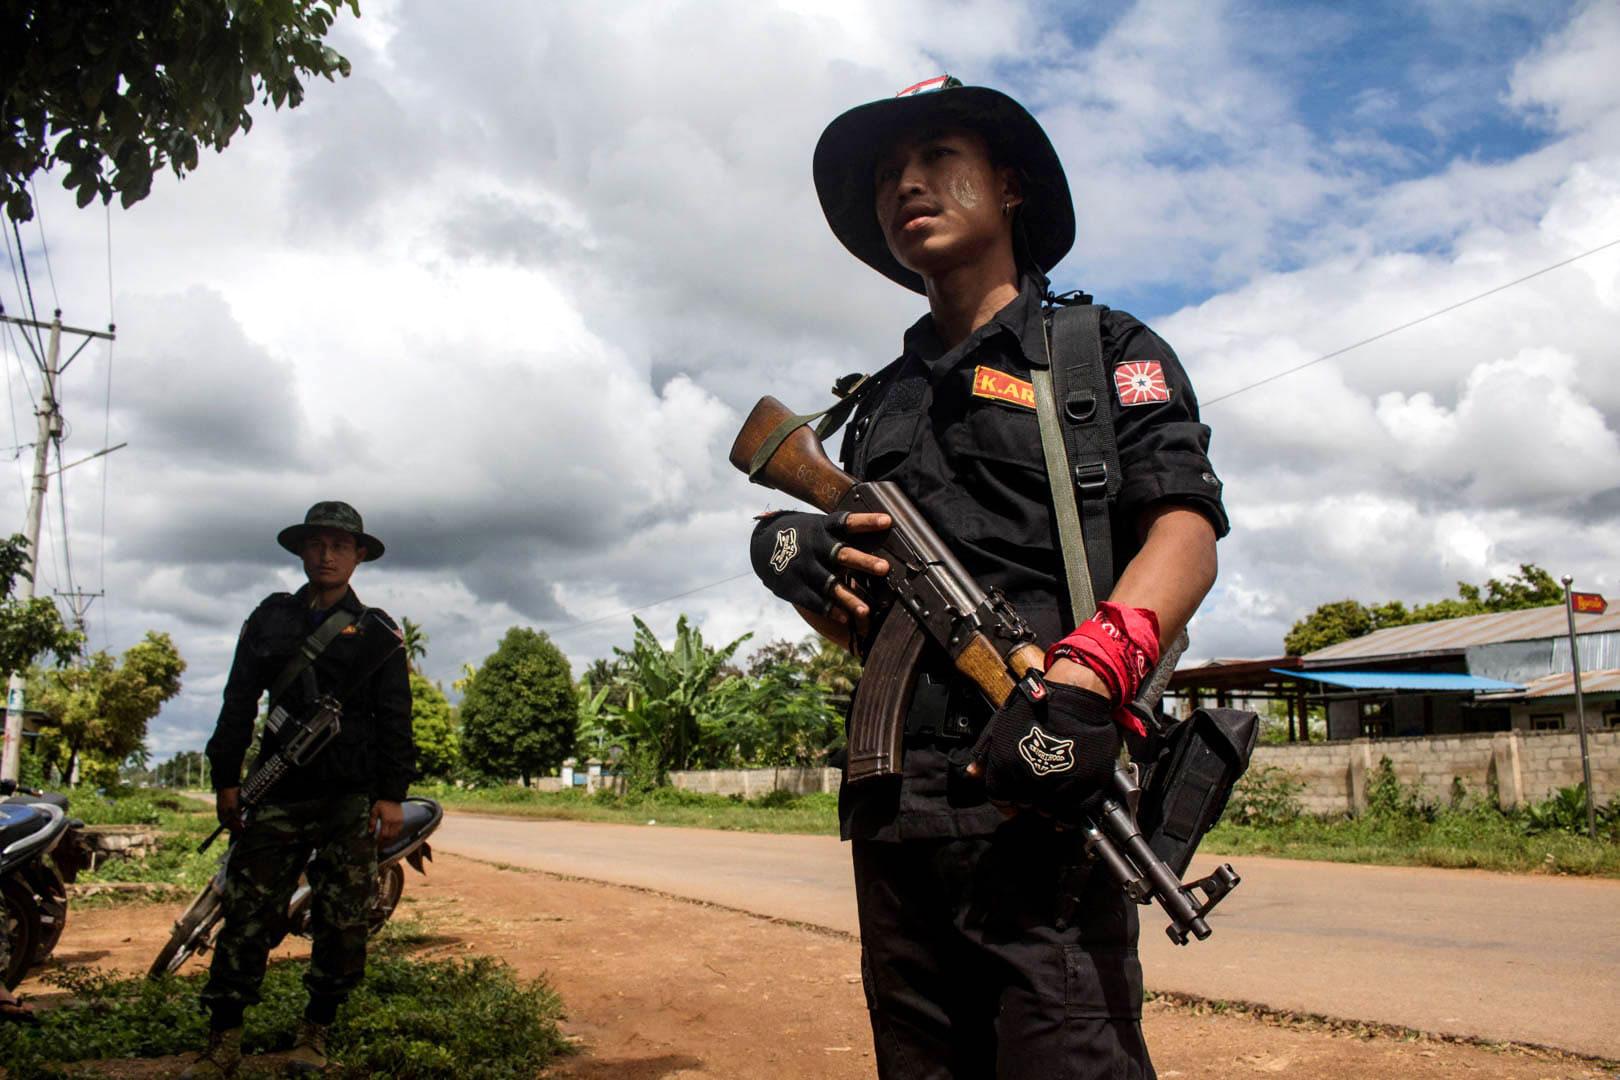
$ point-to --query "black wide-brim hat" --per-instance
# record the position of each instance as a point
(330, 515)
(846, 157)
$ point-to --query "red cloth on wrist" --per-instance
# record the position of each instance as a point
(1119, 643)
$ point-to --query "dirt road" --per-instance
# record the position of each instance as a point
(658, 988)
(1495, 956)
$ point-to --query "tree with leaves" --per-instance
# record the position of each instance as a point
(680, 709)
(518, 711)
(416, 641)
(1342, 620)
(28, 628)
(98, 713)
(117, 89)
(433, 726)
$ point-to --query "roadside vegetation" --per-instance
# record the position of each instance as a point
(465, 1018)
(1404, 827)
(175, 869)
(775, 812)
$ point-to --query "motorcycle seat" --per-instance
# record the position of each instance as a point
(49, 798)
(18, 821)
(421, 817)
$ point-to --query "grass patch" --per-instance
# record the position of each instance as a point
(1403, 827)
(184, 823)
(418, 1018)
(775, 812)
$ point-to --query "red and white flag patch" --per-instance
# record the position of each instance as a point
(1141, 383)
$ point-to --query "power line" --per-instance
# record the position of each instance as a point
(1408, 325)
(35, 344)
(39, 221)
(654, 603)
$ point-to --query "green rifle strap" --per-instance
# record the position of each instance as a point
(313, 646)
(832, 418)
(1082, 601)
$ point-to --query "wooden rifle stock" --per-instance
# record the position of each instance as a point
(799, 466)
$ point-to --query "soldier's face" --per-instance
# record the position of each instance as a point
(939, 200)
(330, 556)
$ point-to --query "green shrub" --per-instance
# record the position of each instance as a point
(1565, 811)
(1266, 795)
(418, 1018)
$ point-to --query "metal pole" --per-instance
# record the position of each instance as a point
(1580, 709)
(50, 426)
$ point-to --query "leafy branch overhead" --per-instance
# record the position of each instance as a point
(116, 90)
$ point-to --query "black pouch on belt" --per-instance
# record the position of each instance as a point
(1192, 778)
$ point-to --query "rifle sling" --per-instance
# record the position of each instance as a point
(832, 418)
(1082, 462)
(313, 646)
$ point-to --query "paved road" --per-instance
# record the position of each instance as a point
(1499, 956)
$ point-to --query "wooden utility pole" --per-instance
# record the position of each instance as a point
(49, 431)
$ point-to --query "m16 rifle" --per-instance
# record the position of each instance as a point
(305, 738)
(985, 638)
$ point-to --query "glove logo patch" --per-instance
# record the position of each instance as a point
(1045, 753)
(787, 546)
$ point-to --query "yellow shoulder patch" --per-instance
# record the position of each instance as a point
(999, 386)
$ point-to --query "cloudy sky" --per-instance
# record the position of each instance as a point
(511, 287)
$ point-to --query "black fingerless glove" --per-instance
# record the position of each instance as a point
(793, 555)
(1056, 754)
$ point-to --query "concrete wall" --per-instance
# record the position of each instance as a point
(751, 783)
(1526, 766)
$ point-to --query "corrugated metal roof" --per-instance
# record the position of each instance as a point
(1455, 635)
(1563, 685)
(1439, 682)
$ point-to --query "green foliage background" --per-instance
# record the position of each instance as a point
(1342, 620)
(518, 710)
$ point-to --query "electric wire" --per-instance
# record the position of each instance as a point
(15, 260)
(1274, 376)
(28, 291)
(39, 222)
(654, 603)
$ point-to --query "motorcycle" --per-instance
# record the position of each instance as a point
(40, 852)
(195, 930)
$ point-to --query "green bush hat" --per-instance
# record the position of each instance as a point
(847, 154)
(330, 515)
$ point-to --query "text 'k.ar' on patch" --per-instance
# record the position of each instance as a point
(1141, 383)
(999, 386)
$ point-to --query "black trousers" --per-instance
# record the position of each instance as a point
(999, 956)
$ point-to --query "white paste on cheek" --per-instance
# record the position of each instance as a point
(963, 189)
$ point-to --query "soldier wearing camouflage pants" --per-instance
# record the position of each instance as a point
(341, 805)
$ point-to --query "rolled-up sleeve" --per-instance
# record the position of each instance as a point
(1163, 447)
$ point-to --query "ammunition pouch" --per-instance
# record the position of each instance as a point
(1192, 776)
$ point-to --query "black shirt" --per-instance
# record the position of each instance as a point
(956, 430)
(373, 752)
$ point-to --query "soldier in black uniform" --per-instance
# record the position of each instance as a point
(343, 804)
(989, 946)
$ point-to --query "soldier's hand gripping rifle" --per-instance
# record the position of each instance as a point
(307, 736)
(986, 639)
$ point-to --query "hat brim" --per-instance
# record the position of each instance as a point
(293, 536)
(846, 156)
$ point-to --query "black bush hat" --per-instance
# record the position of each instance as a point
(847, 154)
(330, 515)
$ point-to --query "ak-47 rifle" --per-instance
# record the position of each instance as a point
(305, 738)
(986, 639)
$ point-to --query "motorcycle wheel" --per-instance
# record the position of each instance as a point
(17, 924)
(390, 884)
(52, 893)
(193, 933)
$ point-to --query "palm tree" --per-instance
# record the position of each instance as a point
(416, 640)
